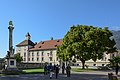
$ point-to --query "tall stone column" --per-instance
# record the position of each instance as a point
(11, 61)
(10, 39)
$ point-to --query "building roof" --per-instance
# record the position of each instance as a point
(25, 43)
(46, 45)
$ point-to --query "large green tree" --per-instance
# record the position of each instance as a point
(85, 43)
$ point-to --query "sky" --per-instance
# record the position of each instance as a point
(44, 19)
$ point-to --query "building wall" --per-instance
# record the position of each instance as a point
(42, 56)
(36, 57)
(23, 50)
(102, 62)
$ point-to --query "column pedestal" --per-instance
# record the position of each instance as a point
(11, 67)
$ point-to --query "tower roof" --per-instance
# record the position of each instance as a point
(28, 34)
(25, 43)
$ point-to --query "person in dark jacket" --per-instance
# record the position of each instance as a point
(68, 68)
(57, 71)
(54, 68)
(117, 68)
(45, 69)
(63, 68)
(51, 70)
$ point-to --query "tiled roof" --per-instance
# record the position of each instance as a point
(45, 45)
(25, 43)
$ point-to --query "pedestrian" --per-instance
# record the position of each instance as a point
(68, 68)
(63, 68)
(54, 68)
(50, 70)
(117, 68)
(57, 71)
(45, 69)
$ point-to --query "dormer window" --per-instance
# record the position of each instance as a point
(56, 45)
(58, 40)
(39, 46)
(42, 42)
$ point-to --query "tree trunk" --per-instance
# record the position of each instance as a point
(117, 67)
(83, 64)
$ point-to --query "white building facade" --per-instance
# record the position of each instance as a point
(45, 51)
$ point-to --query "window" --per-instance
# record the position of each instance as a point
(24, 54)
(37, 59)
(50, 58)
(113, 55)
(50, 53)
(94, 64)
(56, 58)
(32, 54)
(103, 64)
(28, 59)
(32, 59)
(104, 58)
(37, 53)
(29, 54)
(42, 53)
(42, 58)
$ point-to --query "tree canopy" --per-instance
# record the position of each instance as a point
(85, 43)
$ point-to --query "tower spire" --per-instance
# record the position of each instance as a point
(28, 36)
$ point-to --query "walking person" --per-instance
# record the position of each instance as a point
(57, 71)
(68, 68)
(54, 68)
(117, 69)
(45, 69)
(63, 68)
(50, 70)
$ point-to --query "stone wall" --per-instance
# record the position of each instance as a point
(29, 65)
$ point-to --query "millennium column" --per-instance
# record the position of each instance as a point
(10, 39)
(11, 62)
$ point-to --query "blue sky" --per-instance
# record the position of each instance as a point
(46, 18)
